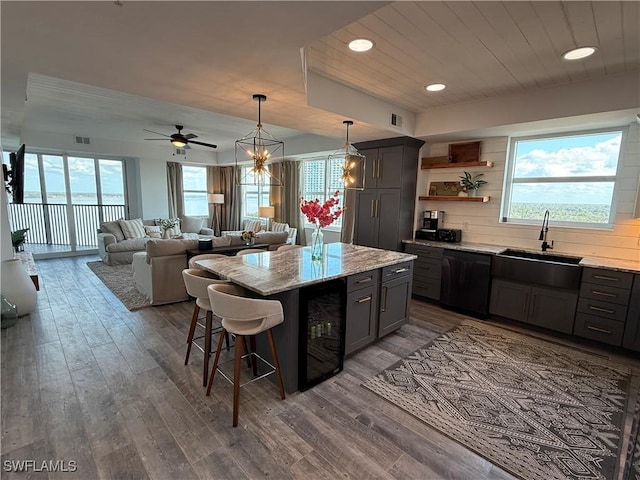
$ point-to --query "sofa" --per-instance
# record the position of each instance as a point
(120, 239)
(157, 270)
(257, 226)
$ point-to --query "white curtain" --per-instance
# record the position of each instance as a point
(174, 186)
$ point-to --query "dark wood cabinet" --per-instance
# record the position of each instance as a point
(385, 208)
(362, 311)
(631, 338)
(545, 307)
(395, 297)
(427, 270)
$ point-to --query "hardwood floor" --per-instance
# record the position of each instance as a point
(84, 380)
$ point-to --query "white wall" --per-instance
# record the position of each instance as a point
(480, 221)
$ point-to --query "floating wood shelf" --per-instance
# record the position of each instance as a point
(487, 163)
(456, 199)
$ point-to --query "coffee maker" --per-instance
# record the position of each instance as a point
(431, 221)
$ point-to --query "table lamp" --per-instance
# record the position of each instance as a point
(267, 212)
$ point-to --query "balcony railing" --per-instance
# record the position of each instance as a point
(62, 224)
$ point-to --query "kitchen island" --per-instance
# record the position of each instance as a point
(368, 288)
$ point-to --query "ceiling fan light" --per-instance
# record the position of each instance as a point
(579, 53)
(178, 143)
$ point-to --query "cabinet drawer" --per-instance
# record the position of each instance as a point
(607, 277)
(423, 250)
(426, 288)
(362, 280)
(430, 268)
(611, 311)
(605, 293)
(398, 270)
(599, 329)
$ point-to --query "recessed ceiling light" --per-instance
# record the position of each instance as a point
(360, 45)
(578, 53)
(435, 87)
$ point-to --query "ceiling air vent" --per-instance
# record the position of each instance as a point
(83, 140)
(396, 120)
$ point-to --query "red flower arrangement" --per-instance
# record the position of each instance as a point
(321, 215)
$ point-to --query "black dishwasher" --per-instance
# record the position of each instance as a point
(466, 279)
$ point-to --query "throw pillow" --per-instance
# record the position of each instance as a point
(191, 224)
(132, 228)
(153, 231)
(253, 225)
(114, 229)
(279, 227)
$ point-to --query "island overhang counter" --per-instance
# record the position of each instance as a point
(371, 289)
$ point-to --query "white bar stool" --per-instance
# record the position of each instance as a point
(196, 283)
(244, 316)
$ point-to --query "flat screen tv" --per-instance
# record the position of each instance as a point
(14, 175)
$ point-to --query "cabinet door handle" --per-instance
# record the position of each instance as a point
(603, 294)
(373, 208)
(400, 270)
(601, 330)
(384, 309)
(598, 309)
(604, 277)
(364, 299)
(365, 280)
(378, 168)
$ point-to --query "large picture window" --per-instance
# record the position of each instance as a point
(194, 184)
(253, 196)
(321, 178)
(573, 175)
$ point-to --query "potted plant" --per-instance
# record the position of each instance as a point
(17, 239)
(470, 183)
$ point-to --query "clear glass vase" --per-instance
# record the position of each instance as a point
(317, 244)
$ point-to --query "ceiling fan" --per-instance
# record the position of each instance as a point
(179, 140)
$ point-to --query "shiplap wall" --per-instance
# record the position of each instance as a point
(479, 222)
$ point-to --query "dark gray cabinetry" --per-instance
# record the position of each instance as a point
(384, 209)
(631, 338)
(603, 305)
(427, 270)
(545, 307)
(395, 296)
(362, 310)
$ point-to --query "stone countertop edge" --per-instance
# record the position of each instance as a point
(278, 278)
(587, 261)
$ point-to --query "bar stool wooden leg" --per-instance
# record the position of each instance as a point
(207, 347)
(192, 330)
(236, 378)
(223, 334)
(246, 348)
(276, 363)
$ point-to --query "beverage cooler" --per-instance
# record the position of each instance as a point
(322, 332)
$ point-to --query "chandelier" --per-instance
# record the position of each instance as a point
(351, 163)
(262, 148)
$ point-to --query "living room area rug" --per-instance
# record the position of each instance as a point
(119, 279)
(537, 409)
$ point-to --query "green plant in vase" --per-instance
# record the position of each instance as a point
(18, 238)
(471, 182)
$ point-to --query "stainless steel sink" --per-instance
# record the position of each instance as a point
(543, 269)
(543, 257)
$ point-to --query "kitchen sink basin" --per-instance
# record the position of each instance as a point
(543, 269)
(543, 257)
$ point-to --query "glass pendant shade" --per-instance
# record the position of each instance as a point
(263, 149)
(351, 163)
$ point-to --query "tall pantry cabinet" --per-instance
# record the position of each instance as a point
(385, 208)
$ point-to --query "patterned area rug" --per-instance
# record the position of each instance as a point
(119, 279)
(633, 459)
(537, 409)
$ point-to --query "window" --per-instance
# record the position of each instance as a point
(572, 175)
(321, 178)
(253, 196)
(194, 185)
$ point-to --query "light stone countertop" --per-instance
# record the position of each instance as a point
(272, 272)
(587, 261)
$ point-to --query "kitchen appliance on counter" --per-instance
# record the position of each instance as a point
(451, 235)
(431, 220)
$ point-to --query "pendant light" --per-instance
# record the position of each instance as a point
(351, 163)
(263, 149)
